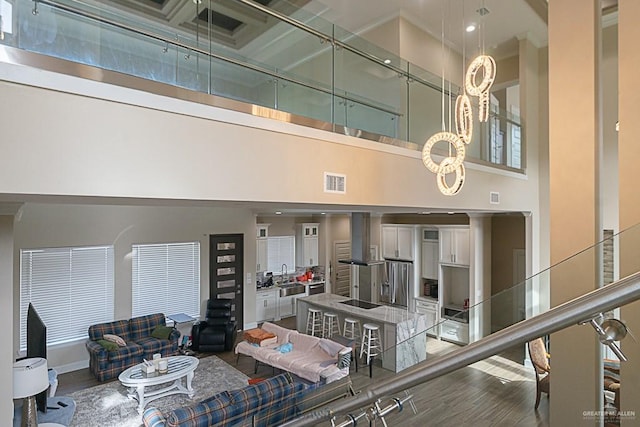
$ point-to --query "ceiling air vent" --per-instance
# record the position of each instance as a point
(335, 183)
(494, 198)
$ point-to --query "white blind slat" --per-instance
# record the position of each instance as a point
(281, 250)
(166, 279)
(71, 289)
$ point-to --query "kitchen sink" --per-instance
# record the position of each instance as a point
(289, 289)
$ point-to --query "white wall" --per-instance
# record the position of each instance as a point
(6, 308)
(172, 149)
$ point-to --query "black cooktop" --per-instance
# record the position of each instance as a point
(361, 304)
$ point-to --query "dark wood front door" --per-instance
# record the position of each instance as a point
(226, 271)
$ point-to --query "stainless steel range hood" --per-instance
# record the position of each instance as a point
(360, 238)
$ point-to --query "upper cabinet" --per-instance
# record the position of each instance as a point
(430, 254)
(397, 242)
(262, 251)
(430, 260)
(454, 246)
(307, 245)
(262, 231)
(309, 230)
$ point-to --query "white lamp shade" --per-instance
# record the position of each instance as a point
(30, 377)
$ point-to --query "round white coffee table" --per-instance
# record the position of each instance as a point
(179, 367)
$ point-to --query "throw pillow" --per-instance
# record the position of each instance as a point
(108, 345)
(114, 338)
(161, 332)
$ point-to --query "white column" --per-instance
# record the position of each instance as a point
(7, 311)
(479, 276)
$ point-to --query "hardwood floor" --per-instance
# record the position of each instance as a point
(494, 392)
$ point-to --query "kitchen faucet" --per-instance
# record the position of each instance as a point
(283, 271)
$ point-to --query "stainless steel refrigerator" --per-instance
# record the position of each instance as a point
(396, 284)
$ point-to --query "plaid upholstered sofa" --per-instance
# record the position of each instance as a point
(268, 403)
(136, 332)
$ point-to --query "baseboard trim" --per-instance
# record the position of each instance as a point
(70, 367)
(251, 325)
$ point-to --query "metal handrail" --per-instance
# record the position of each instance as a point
(104, 20)
(345, 46)
(573, 312)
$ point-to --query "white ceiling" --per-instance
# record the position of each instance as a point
(506, 21)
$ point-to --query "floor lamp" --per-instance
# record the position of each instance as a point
(30, 377)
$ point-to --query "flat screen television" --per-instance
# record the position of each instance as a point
(37, 347)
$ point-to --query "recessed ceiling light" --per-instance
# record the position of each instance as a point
(387, 61)
(323, 213)
(278, 213)
(470, 28)
(450, 213)
(425, 213)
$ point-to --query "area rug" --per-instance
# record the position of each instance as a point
(107, 405)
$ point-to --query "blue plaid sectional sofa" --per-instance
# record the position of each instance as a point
(268, 403)
(136, 333)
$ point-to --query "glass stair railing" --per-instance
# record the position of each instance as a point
(307, 69)
(498, 333)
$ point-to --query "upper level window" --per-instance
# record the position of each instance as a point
(166, 279)
(71, 288)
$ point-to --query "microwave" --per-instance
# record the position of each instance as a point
(455, 313)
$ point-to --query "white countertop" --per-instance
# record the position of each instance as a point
(384, 313)
(277, 287)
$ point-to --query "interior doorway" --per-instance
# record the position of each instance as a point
(341, 273)
(226, 271)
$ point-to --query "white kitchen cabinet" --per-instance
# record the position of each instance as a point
(430, 259)
(430, 310)
(287, 306)
(262, 247)
(267, 305)
(454, 246)
(307, 243)
(262, 231)
(310, 229)
(262, 254)
(397, 242)
(453, 331)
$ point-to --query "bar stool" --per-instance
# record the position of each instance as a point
(314, 322)
(351, 329)
(371, 344)
(330, 325)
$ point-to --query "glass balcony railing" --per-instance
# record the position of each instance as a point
(503, 376)
(295, 62)
(508, 373)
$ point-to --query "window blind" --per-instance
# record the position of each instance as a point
(70, 288)
(281, 250)
(166, 279)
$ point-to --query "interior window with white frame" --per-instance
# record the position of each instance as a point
(71, 288)
(166, 278)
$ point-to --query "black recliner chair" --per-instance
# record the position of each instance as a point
(217, 332)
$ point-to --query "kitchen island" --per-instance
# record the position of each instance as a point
(404, 338)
